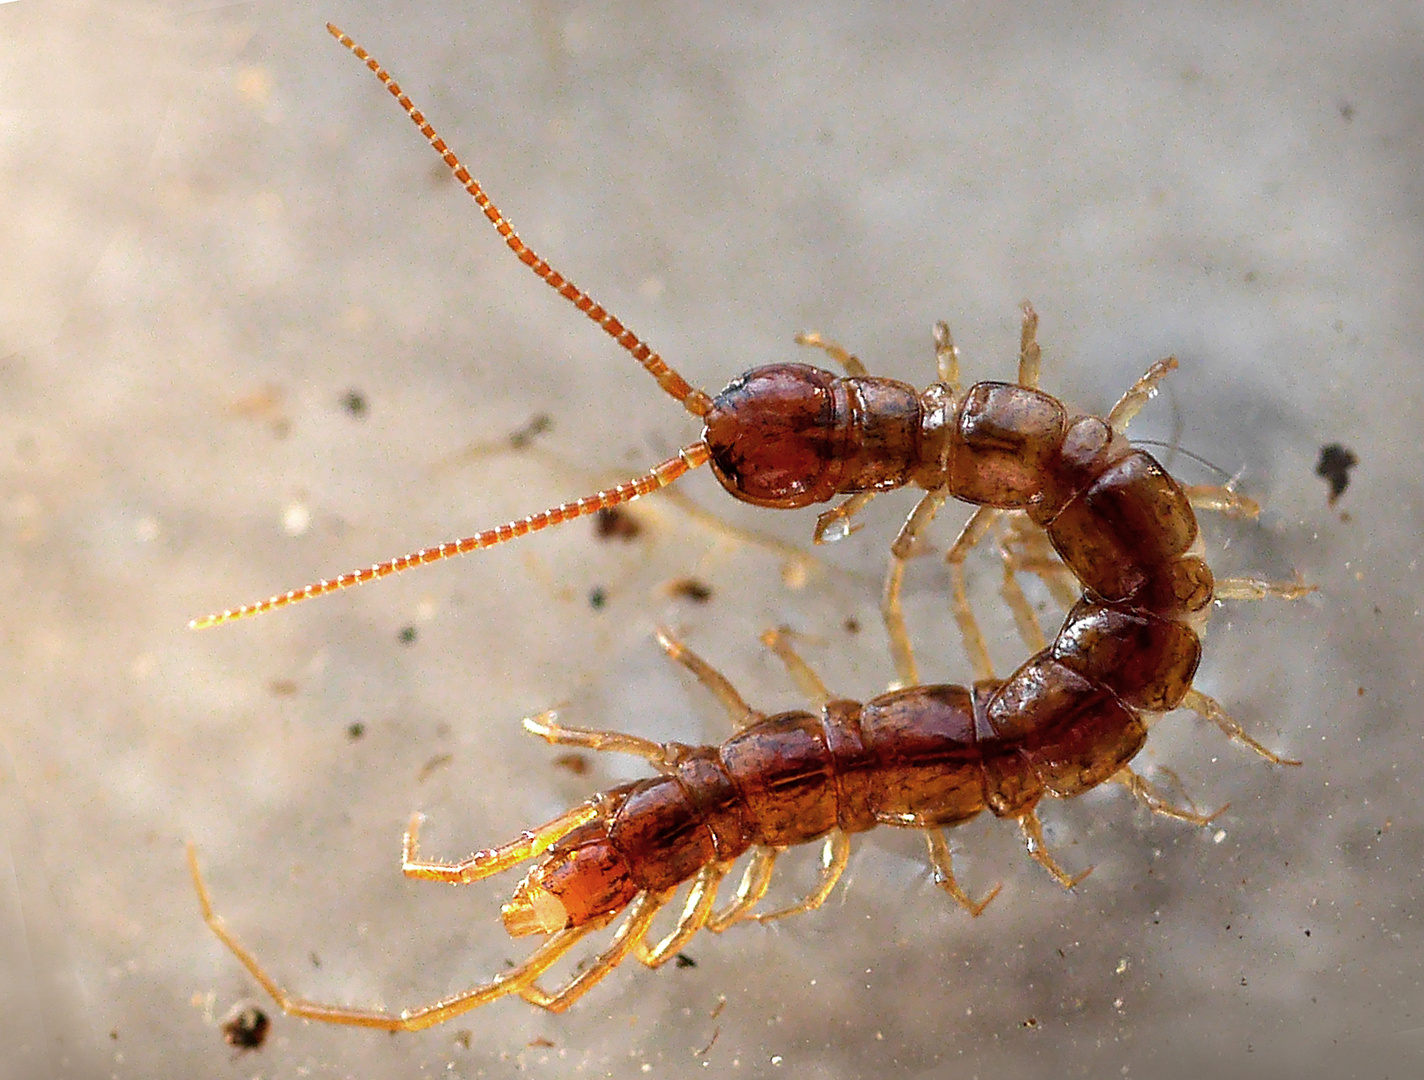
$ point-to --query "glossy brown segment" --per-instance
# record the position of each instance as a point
(790, 435)
(1124, 530)
(1004, 438)
(1146, 660)
(925, 756)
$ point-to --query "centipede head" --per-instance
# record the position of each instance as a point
(772, 436)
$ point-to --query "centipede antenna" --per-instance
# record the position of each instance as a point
(1177, 448)
(660, 476)
(693, 400)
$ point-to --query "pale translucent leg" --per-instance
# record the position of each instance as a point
(835, 854)
(943, 864)
(1029, 551)
(1257, 589)
(974, 530)
(1223, 500)
(695, 913)
(852, 365)
(662, 756)
(1208, 709)
(625, 940)
(482, 864)
(901, 652)
(805, 678)
(1139, 394)
(738, 711)
(756, 879)
(514, 980)
(835, 523)
(1030, 356)
(1032, 830)
(1153, 800)
(946, 356)
(1025, 619)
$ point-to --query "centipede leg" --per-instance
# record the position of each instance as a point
(1258, 589)
(483, 864)
(513, 980)
(738, 711)
(1032, 830)
(802, 674)
(1139, 394)
(946, 357)
(942, 862)
(1223, 500)
(1208, 709)
(835, 523)
(835, 855)
(756, 879)
(853, 366)
(1153, 800)
(1030, 355)
(695, 913)
(974, 530)
(891, 610)
(1025, 619)
(661, 756)
(626, 939)
(1027, 549)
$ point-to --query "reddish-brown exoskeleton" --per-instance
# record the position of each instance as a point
(925, 757)
(791, 435)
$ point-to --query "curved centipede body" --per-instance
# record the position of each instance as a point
(927, 757)
(1071, 717)
(790, 435)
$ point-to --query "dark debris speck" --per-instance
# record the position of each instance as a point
(1334, 465)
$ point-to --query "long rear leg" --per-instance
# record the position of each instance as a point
(626, 939)
(514, 980)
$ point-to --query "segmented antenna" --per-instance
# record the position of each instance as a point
(694, 401)
(660, 476)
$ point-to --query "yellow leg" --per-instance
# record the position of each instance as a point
(974, 531)
(1152, 799)
(853, 366)
(756, 879)
(627, 938)
(946, 357)
(661, 756)
(1030, 356)
(802, 674)
(695, 914)
(514, 980)
(834, 857)
(943, 864)
(901, 652)
(483, 864)
(1032, 830)
(1208, 709)
(835, 523)
(1257, 589)
(738, 711)
(1223, 500)
(1139, 394)
(1030, 631)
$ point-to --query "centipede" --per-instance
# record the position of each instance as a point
(1080, 503)
(927, 757)
(792, 435)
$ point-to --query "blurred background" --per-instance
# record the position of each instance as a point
(252, 334)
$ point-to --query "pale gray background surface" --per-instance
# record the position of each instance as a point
(216, 225)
